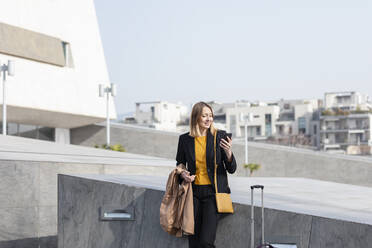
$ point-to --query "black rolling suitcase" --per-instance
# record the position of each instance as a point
(263, 244)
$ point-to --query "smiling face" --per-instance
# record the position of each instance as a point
(201, 119)
(206, 118)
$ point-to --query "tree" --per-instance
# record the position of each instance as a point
(252, 167)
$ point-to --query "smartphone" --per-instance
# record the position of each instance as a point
(228, 134)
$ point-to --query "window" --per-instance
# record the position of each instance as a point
(250, 131)
(281, 129)
(258, 131)
(302, 125)
(268, 119)
(30, 131)
(267, 124)
(343, 99)
(68, 54)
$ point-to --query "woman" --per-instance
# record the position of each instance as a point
(196, 151)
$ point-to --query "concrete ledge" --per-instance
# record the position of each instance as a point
(41, 242)
(79, 225)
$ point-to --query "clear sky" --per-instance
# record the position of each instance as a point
(223, 50)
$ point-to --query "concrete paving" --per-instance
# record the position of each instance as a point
(299, 195)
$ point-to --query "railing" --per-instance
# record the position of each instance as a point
(344, 143)
(345, 128)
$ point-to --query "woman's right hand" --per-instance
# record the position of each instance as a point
(186, 176)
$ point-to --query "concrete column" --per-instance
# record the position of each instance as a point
(62, 135)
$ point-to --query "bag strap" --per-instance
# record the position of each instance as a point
(215, 162)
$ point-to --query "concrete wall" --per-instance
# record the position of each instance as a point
(28, 198)
(79, 224)
(134, 139)
(276, 161)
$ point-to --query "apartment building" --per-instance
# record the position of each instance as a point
(261, 124)
(299, 118)
(345, 123)
(296, 116)
(277, 121)
(161, 115)
(349, 100)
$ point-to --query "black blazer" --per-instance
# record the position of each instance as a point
(186, 156)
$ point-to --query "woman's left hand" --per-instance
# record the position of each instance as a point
(226, 146)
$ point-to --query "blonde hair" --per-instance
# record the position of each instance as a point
(196, 113)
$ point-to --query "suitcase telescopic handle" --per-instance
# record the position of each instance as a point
(262, 215)
(257, 187)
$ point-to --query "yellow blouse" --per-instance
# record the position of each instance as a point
(201, 177)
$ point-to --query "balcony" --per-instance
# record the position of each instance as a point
(340, 143)
(331, 115)
(345, 129)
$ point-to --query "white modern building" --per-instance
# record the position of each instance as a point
(59, 63)
(345, 123)
(349, 100)
(296, 116)
(161, 115)
(299, 119)
(350, 133)
(278, 119)
(262, 124)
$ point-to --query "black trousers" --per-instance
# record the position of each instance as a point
(206, 217)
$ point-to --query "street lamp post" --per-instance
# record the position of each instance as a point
(247, 118)
(10, 69)
(108, 90)
(246, 140)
